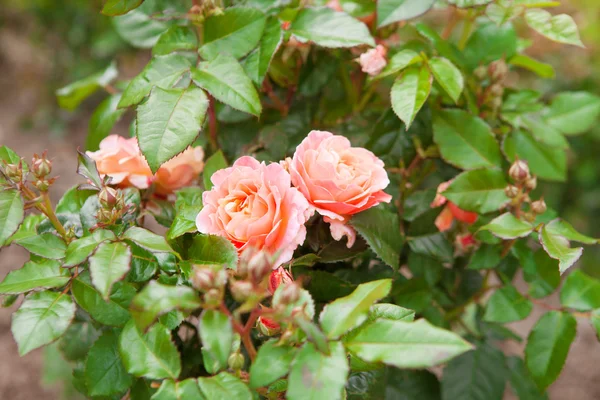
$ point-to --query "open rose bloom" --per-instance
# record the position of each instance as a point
(338, 180)
(444, 221)
(373, 61)
(254, 205)
(121, 160)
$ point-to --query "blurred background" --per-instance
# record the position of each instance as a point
(46, 44)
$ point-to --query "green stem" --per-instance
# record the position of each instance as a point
(467, 28)
(49, 211)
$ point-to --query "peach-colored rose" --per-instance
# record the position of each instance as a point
(444, 220)
(279, 276)
(373, 61)
(338, 180)
(121, 159)
(254, 205)
(180, 171)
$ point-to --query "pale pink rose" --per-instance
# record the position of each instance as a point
(338, 180)
(121, 159)
(254, 205)
(180, 171)
(373, 61)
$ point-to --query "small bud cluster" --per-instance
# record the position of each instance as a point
(210, 279)
(112, 205)
(492, 84)
(519, 191)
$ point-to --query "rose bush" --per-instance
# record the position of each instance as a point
(369, 198)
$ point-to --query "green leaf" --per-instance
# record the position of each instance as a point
(102, 121)
(548, 345)
(11, 213)
(390, 11)
(328, 28)
(503, 11)
(105, 374)
(109, 264)
(188, 205)
(316, 376)
(28, 228)
(390, 311)
(541, 69)
(157, 299)
(381, 230)
(213, 249)
(114, 311)
(507, 226)
(174, 39)
(86, 167)
(465, 141)
(80, 249)
(397, 63)
(479, 190)
(448, 76)
(559, 28)
(433, 245)
(224, 386)
(406, 344)
(507, 305)
(152, 355)
(546, 276)
(183, 390)
(162, 71)
(257, 63)
(42, 318)
(409, 93)
(558, 248)
(468, 3)
(487, 256)
(443, 47)
(235, 31)
(45, 274)
(70, 96)
(305, 302)
(169, 122)
(573, 113)
(580, 292)
(138, 28)
(216, 334)
(214, 163)
(595, 321)
(490, 42)
(477, 375)
(544, 161)
(272, 362)
(46, 245)
(75, 344)
(226, 80)
(148, 240)
(119, 7)
(348, 312)
(543, 132)
(521, 382)
(563, 228)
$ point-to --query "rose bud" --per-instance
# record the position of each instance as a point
(373, 60)
(203, 278)
(539, 206)
(14, 172)
(519, 171)
(259, 267)
(108, 197)
(531, 183)
(290, 293)
(498, 70)
(241, 290)
(236, 361)
(41, 166)
(279, 276)
(511, 191)
(267, 326)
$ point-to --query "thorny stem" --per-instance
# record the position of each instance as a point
(244, 330)
(279, 105)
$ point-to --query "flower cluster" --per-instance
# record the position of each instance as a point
(266, 206)
(121, 160)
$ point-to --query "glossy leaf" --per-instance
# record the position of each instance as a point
(563, 228)
(86, 167)
(507, 226)
(272, 362)
(11, 213)
(119, 7)
(537, 67)
(44, 274)
(507, 305)
(479, 190)
(109, 264)
(183, 390)
(580, 292)
(559, 28)
(42, 318)
(548, 345)
(328, 28)
(573, 113)
(558, 248)
(152, 355)
(390, 311)
(138, 28)
(257, 63)
(521, 382)
(348, 312)
(188, 205)
(410, 92)
(176, 38)
(45, 245)
(390, 11)
(448, 76)
(224, 386)
(490, 42)
(169, 122)
(399, 61)
(405, 344)
(80, 249)
(465, 141)
(216, 334)
(315, 375)
(70, 96)
(148, 240)
(380, 229)
(213, 249)
(105, 374)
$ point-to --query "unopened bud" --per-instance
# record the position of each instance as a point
(267, 326)
(519, 171)
(244, 260)
(259, 267)
(496, 103)
(496, 90)
(531, 183)
(539, 206)
(104, 215)
(279, 276)
(236, 361)
(290, 294)
(498, 70)
(42, 185)
(108, 197)
(241, 290)
(511, 191)
(213, 297)
(480, 72)
(13, 172)
(41, 166)
(203, 278)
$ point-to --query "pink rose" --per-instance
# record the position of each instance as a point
(122, 160)
(254, 205)
(180, 171)
(373, 60)
(338, 180)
